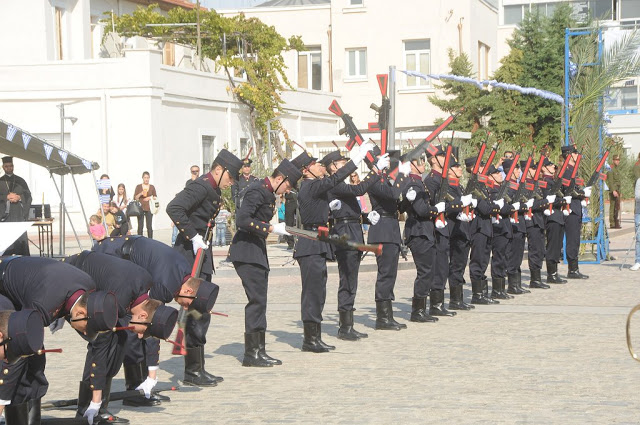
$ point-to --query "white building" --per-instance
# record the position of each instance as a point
(144, 109)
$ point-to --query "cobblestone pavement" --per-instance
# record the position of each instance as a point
(553, 356)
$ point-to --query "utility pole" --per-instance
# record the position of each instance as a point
(62, 217)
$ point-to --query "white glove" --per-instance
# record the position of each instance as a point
(494, 220)
(466, 200)
(516, 206)
(500, 203)
(566, 211)
(547, 212)
(587, 192)
(529, 203)
(335, 205)
(512, 220)
(474, 202)
(463, 217)
(147, 386)
(357, 156)
(373, 217)
(92, 411)
(279, 229)
(567, 199)
(383, 162)
(440, 207)
(440, 224)
(584, 203)
(551, 199)
(411, 195)
(405, 168)
(197, 242)
(527, 218)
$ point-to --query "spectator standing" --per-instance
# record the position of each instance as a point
(614, 181)
(15, 201)
(636, 266)
(144, 193)
(221, 226)
(121, 224)
(194, 171)
(121, 198)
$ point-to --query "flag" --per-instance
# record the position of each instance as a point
(25, 140)
(104, 199)
(63, 155)
(103, 184)
(87, 164)
(11, 132)
(47, 150)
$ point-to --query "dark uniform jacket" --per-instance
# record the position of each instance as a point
(384, 200)
(420, 212)
(350, 209)
(14, 211)
(252, 219)
(556, 216)
(537, 210)
(239, 188)
(433, 181)
(481, 223)
(576, 195)
(458, 229)
(520, 226)
(313, 201)
(503, 226)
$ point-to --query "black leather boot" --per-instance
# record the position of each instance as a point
(34, 411)
(574, 271)
(419, 311)
(456, 299)
(104, 417)
(321, 342)
(536, 280)
(519, 283)
(263, 351)
(211, 376)
(477, 296)
(436, 304)
(552, 273)
(194, 367)
(513, 284)
(384, 317)
(252, 350)
(359, 334)
(155, 396)
(485, 292)
(497, 289)
(345, 331)
(17, 414)
(134, 376)
(310, 341)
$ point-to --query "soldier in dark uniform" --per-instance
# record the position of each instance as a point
(573, 222)
(239, 187)
(58, 291)
(534, 220)
(15, 201)
(440, 274)
(460, 241)
(385, 230)
(501, 240)
(515, 253)
(248, 253)
(172, 280)
(481, 236)
(130, 284)
(419, 236)
(347, 219)
(554, 225)
(312, 255)
(192, 210)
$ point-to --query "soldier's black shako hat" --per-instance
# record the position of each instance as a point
(7, 159)
(507, 163)
(26, 335)
(492, 170)
(163, 322)
(437, 152)
(287, 169)
(523, 163)
(102, 313)
(303, 160)
(455, 151)
(470, 162)
(332, 156)
(229, 161)
(546, 162)
(247, 162)
(568, 149)
(205, 297)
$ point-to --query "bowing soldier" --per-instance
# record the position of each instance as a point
(192, 211)
(172, 280)
(312, 255)
(347, 222)
(573, 221)
(515, 253)
(534, 221)
(59, 292)
(554, 225)
(248, 253)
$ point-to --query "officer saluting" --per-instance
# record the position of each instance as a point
(248, 253)
(57, 291)
(191, 211)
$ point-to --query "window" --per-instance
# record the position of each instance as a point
(355, 2)
(601, 9)
(244, 147)
(483, 61)
(357, 63)
(97, 30)
(208, 153)
(169, 54)
(629, 9)
(417, 57)
(59, 28)
(513, 15)
(310, 69)
(623, 98)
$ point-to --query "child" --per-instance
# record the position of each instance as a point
(96, 228)
(221, 227)
(121, 225)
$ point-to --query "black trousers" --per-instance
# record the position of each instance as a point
(255, 280)
(423, 252)
(348, 266)
(441, 263)
(149, 218)
(536, 247)
(499, 246)
(515, 253)
(104, 358)
(572, 228)
(458, 259)
(480, 256)
(555, 235)
(387, 271)
(195, 330)
(122, 231)
(313, 270)
(137, 350)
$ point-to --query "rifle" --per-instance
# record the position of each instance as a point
(383, 114)
(354, 134)
(322, 235)
(506, 183)
(180, 344)
(482, 177)
(115, 396)
(597, 172)
(571, 184)
(473, 179)
(443, 193)
(558, 182)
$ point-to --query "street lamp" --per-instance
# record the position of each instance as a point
(62, 207)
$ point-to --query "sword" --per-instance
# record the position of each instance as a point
(322, 235)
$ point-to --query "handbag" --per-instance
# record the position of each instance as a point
(154, 205)
(134, 209)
